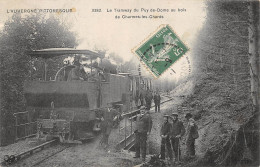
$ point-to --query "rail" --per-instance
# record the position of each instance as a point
(134, 116)
(39, 162)
(132, 112)
(28, 152)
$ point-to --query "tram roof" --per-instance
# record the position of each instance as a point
(53, 52)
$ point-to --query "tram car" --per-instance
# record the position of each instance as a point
(71, 109)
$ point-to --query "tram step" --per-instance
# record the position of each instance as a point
(124, 142)
(130, 145)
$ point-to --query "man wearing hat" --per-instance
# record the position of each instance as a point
(165, 135)
(188, 116)
(148, 98)
(107, 123)
(177, 132)
(157, 100)
(192, 135)
(78, 72)
(143, 127)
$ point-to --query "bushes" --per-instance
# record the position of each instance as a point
(19, 35)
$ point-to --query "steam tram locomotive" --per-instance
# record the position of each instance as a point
(70, 110)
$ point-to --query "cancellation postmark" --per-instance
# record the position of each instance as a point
(160, 50)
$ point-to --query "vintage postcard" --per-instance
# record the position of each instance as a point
(87, 83)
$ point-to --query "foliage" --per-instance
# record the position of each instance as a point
(223, 46)
(223, 90)
(20, 35)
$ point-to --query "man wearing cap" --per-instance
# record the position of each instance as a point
(78, 72)
(148, 98)
(143, 127)
(118, 116)
(107, 123)
(165, 135)
(177, 132)
(192, 135)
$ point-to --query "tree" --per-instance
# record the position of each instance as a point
(22, 34)
(253, 12)
(228, 48)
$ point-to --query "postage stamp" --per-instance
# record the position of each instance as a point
(160, 50)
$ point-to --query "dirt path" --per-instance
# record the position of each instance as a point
(154, 138)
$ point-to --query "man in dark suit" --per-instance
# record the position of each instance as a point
(165, 135)
(177, 132)
(192, 135)
(107, 123)
(148, 98)
(143, 128)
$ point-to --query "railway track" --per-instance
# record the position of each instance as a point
(9, 159)
(14, 160)
(133, 114)
(48, 156)
(37, 155)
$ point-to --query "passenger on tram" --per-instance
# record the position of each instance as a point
(77, 73)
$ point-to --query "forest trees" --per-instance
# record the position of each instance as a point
(230, 43)
(19, 35)
(223, 42)
(253, 29)
(228, 51)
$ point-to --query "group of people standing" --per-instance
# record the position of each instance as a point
(171, 134)
(172, 131)
(148, 96)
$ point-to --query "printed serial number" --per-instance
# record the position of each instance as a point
(96, 10)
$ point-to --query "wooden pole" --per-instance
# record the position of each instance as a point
(125, 132)
(45, 70)
(16, 131)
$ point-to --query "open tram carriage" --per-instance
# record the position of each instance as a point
(70, 109)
